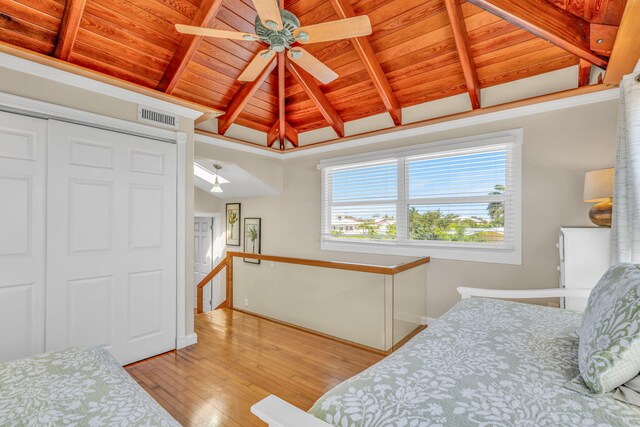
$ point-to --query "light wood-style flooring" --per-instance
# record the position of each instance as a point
(240, 359)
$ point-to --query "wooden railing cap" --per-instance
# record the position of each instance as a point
(339, 265)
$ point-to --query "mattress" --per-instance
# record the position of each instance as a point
(82, 386)
(487, 363)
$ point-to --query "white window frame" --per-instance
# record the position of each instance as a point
(434, 249)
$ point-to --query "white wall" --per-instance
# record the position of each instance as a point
(204, 203)
(559, 147)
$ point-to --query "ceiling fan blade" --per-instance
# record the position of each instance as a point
(269, 13)
(312, 65)
(334, 30)
(212, 32)
(257, 64)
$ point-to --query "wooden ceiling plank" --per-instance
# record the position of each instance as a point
(366, 53)
(464, 51)
(584, 73)
(188, 46)
(106, 55)
(626, 50)
(547, 21)
(20, 40)
(533, 69)
(242, 121)
(69, 28)
(80, 58)
(41, 18)
(319, 99)
(242, 97)
(96, 21)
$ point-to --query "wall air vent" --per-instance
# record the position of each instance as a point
(149, 115)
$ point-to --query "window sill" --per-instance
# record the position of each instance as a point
(487, 255)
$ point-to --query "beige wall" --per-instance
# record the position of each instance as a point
(28, 86)
(204, 203)
(559, 147)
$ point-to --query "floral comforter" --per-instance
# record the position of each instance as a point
(486, 363)
(81, 386)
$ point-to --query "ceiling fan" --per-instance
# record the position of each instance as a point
(281, 30)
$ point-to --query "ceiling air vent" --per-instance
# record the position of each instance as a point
(149, 115)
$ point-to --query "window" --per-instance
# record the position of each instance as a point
(454, 199)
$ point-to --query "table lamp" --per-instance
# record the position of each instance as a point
(598, 189)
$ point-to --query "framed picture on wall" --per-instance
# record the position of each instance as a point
(252, 238)
(234, 233)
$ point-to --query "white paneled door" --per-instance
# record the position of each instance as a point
(111, 242)
(22, 235)
(203, 252)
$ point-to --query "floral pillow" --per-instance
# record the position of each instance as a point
(609, 349)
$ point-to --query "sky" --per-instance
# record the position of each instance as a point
(451, 176)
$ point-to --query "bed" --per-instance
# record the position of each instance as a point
(486, 362)
(79, 386)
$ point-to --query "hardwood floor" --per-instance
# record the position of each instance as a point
(240, 359)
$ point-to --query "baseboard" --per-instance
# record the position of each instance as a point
(186, 341)
(412, 318)
(429, 320)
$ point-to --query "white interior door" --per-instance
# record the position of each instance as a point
(22, 235)
(111, 242)
(203, 239)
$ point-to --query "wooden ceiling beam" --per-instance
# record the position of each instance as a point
(584, 73)
(273, 134)
(315, 93)
(242, 97)
(547, 21)
(188, 46)
(602, 38)
(626, 49)
(69, 25)
(282, 121)
(368, 57)
(206, 117)
(291, 134)
(464, 50)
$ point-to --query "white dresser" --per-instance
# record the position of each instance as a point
(584, 258)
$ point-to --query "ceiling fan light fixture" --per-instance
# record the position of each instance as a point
(271, 25)
(302, 36)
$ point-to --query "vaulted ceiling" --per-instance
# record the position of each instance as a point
(419, 51)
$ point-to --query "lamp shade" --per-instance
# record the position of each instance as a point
(598, 185)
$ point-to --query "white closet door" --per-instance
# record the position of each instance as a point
(22, 235)
(111, 242)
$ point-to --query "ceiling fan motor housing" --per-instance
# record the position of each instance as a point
(279, 40)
